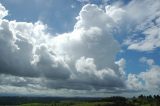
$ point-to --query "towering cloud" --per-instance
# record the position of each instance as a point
(83, 60)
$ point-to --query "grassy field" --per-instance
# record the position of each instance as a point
(100, 103)
(55, 101)
(71, 104)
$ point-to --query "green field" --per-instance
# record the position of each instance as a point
(89, 104)
(70, 104)
(112, 101)
(74, 101)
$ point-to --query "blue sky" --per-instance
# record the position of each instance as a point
(51, 12)
(129, 46)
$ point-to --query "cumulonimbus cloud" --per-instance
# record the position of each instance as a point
(83, 59)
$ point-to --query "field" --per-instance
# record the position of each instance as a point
(56, 101)
(71, 104)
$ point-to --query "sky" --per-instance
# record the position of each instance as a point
(87, 48)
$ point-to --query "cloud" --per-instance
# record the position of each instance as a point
(3, 11)
(151, 77)
(147, 80)
(150, 42)
(122, 64)
(134, 82)
(87, 71)
(83, 59)
(20, 45)
(145, 25)
(149, 62)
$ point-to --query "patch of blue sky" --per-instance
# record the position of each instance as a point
(57, 14)
(132, 57)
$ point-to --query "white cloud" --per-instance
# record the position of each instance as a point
(150, 62)
(3, 11)
(83, 59)
(85, 65)
(122, 64)
(144, 24)
(146, 80)
(87, 70)
(134, 82)
(150, 42)
(151, 77)
(116, 13)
